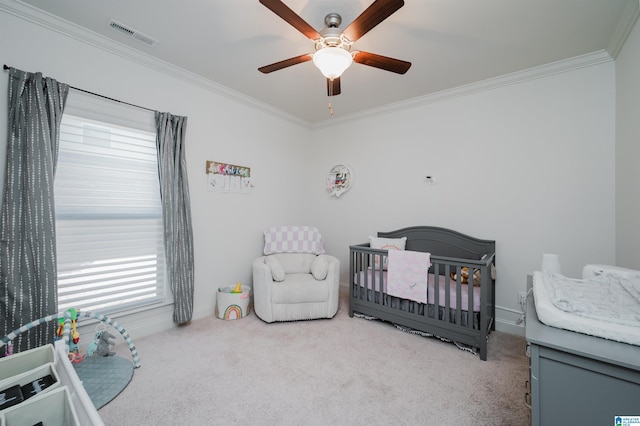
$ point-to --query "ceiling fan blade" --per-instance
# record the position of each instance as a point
(382, 62)
(286, 63)
(333, 86)
(377, 12)
(283, 11)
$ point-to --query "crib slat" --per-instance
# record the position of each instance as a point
(470, 293)
(353, 280)
(367, 279)
(458, 318)
(436, 289)
(382, 291)
(447, 296)
(363, 279)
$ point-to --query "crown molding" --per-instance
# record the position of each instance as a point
(541, 71)
(51, 22)
(624, 27)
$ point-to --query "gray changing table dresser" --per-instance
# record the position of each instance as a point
(576, 379)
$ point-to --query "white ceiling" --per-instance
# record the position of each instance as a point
(451, 43)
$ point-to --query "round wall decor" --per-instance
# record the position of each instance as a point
(339, 180)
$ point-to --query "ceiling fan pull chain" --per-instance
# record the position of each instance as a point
(330, 109)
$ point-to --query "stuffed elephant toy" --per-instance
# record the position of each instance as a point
(104, 344)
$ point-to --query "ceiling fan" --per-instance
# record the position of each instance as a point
(333, 52)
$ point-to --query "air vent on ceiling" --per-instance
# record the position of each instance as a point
(130, 32)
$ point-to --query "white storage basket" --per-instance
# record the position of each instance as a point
(25, 361)
(52, 409)
(230, 306)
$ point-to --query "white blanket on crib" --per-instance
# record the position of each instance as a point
(408, 274)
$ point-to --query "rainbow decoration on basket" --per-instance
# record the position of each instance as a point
(232, 312)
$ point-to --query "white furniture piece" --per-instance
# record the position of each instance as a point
(295, 286)
(576, 378)
(64, 403)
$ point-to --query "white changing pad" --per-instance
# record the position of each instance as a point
(606, 306)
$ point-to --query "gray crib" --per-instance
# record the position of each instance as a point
(459, 312)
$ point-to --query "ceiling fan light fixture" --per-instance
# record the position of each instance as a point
(332, 61)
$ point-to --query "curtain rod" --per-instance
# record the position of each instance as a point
(6, 67)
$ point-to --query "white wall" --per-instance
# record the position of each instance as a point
(227, 227)
(628, 152)
(530, 165)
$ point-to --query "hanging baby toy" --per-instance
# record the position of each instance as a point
(93, 346)
(102, 342)
(74, 349)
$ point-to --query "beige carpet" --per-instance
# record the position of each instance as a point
(343, 371)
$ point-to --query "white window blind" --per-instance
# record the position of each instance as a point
(109, 229)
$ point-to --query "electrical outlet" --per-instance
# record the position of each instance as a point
(522, 298)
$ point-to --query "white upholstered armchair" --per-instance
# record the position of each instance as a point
(295, 281)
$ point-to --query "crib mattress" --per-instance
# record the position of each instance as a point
(606, 306)
(373, 283)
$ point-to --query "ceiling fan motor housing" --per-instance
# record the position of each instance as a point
(332, 35)
(333, 20)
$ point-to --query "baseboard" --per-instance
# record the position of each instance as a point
(510, 327)
(136, 324)
(139, 323)
(509, 320)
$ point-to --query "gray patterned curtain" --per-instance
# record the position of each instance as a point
(28, 274)
(176, 210)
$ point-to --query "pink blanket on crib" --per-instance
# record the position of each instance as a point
(407, 274)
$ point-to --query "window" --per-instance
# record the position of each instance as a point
(109, 227)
